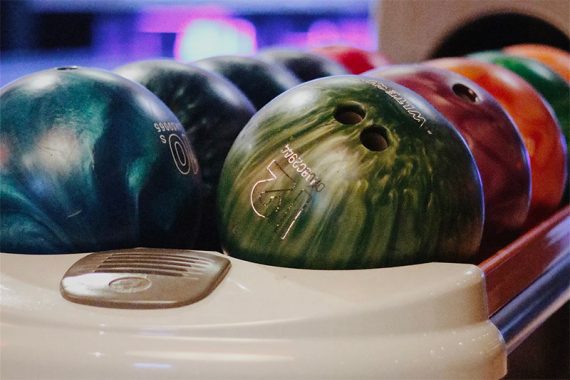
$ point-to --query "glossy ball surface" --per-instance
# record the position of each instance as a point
(553, 88)
(350, 172)
(305, 65)
(536, 123)
(90, 161)
(212, 111)
(557, 59)
(494, 140)
(258, 80)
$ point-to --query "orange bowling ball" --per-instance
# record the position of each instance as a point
(537, 125)
(557, 59)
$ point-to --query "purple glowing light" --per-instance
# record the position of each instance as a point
(200, 31)
(346, 32)
(170, 19)
(203, 31)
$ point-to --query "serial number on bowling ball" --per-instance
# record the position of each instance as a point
(179, 147)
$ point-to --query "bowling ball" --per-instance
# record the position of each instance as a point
(305, 65)
(349, 172)
(91, 161)
(557, 59)
(212, 111)
(489, 131)
(536, 123)
(354, 59)
(553, 88)
(258, 80)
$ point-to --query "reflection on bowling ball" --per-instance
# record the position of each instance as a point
(557, 59)
(536, 123)
(91, 161)
(350, 172)
(494, 140)
(305, 65)
(258, 80)
(553, 88)
(212, 111)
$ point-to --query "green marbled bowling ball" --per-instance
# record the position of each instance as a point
(350, 172)
(91, 161)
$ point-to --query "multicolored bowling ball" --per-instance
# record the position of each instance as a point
(553, 88)
(489, 131)
(350, 172)
(354, 59)
(305, 65)
(258, 80)
(91, 161)
(557, 59)
(212, 111)
(536, 123)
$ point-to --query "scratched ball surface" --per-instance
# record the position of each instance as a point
(91, 161)
(350, 172)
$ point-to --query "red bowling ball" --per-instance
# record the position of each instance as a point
(536, 123)
(493, 138)
(355, 60)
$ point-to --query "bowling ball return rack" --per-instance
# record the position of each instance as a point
(251, 321)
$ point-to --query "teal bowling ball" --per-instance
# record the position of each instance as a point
(91, 161)
(212, 111)
(349, 172)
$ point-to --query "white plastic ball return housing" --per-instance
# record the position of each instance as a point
(203, 315)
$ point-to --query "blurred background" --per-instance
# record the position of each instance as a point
(106, 33)
(40, 34)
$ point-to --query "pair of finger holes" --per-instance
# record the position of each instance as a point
(373, 138)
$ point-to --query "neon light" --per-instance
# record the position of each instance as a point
(206, 37)
(344, 31)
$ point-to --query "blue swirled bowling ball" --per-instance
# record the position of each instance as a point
(91, 161)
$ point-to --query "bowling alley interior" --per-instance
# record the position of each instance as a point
(252, 189)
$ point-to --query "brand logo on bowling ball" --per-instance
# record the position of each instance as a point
(280, 199)
(409, 107)
(300, 167)
(179, 146)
